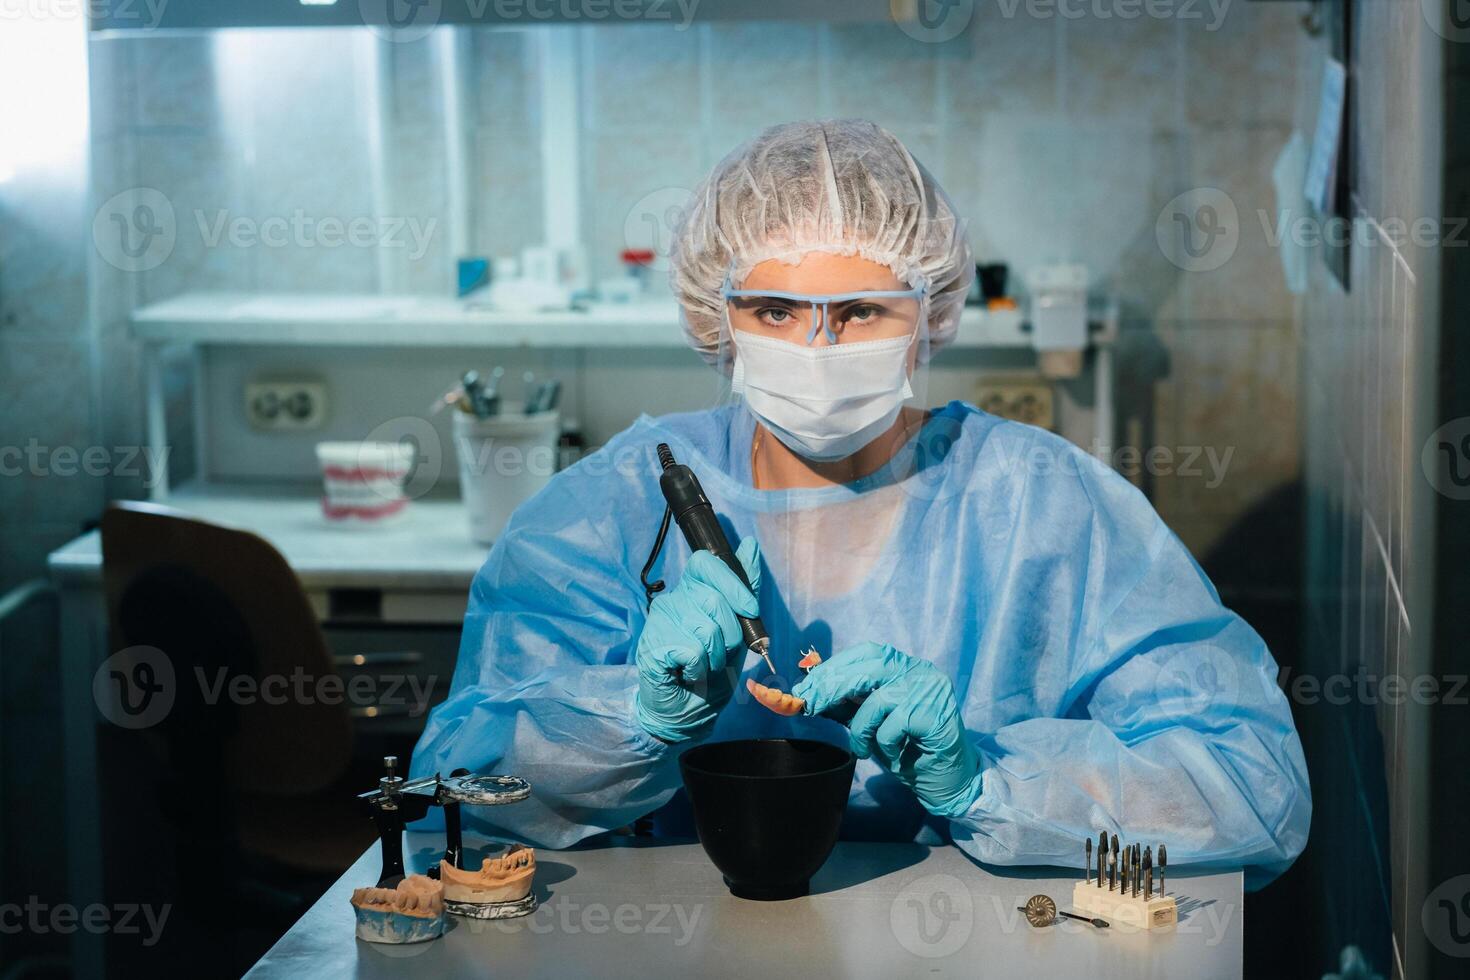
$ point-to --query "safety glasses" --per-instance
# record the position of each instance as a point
(874, 314)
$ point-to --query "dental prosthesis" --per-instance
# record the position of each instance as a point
(411, 913)
(777, 701)
(500, 889)
(781, 703)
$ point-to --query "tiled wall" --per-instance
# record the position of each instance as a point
(47, 410)
(1061, 139)
(1368, 374)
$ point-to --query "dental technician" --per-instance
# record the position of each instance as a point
(1033, 654)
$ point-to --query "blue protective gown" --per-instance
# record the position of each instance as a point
(1102, 681)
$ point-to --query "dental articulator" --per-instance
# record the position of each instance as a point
(407, 908)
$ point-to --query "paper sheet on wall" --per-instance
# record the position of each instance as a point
(1287, 176)
(1322, 166)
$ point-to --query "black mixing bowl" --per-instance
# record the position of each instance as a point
(768, 810)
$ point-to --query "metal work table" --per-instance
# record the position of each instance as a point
(875, 910)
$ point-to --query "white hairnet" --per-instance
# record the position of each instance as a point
(845, 186)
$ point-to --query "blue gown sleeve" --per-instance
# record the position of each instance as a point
(1172, 727)
(543, 687)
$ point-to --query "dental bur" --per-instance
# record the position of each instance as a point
(1131, 899)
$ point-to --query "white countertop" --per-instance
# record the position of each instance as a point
(876, 910)
(426, 547)
(428, 321)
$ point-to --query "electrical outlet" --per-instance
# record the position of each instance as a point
(1024, 398)
(285, 405)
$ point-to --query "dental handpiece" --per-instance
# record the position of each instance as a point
(696, 518)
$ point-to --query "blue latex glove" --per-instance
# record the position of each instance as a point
(686, 645)
(909, 719)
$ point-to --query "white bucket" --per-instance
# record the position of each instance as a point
(363, 480)
(503, 461)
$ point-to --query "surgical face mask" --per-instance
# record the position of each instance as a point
(825, 403)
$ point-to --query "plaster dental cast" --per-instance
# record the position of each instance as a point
(1013, 643)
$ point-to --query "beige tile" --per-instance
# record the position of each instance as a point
(760, 76)
(507, 72)
(1241, 69)
(201, 181)
(1250, 285)
(1122, 68)
(643, 76)
(175, 80)
(1007, 62)
(509, 191)
(635, 197)
(877, 72)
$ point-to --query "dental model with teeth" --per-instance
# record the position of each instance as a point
(411, 913)
(502, 879)
(782, 704)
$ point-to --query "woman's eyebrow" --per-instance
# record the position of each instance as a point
(769, 300)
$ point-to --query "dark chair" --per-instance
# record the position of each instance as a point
(256, 787)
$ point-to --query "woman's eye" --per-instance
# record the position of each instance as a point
(863, 314)
(777, 317)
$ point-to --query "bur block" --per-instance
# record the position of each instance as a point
(1159, 912)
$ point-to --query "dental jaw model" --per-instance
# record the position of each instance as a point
(499, 890)
(411, 913)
